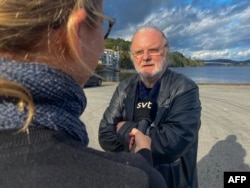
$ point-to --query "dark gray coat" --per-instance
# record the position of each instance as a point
(174, 131)
(53, 159)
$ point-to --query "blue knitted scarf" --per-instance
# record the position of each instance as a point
(59, 100)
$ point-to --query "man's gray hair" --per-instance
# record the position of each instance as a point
(143, 28)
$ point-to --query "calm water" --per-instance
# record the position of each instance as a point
(207, 74)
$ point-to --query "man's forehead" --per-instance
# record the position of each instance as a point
(147, 38)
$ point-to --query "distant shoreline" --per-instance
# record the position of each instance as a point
(229, 84)
(236, 84)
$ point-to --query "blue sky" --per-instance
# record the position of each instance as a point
(197, 28)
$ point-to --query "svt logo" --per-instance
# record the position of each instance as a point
(144, 105)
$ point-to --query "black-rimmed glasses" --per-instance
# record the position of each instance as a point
(107, 25)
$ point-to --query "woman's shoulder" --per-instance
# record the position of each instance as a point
(59, 156)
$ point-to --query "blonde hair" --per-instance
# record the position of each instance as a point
(25, 23)
(12, 89)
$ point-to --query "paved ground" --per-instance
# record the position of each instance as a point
(224, 143)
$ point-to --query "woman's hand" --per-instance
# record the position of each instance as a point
(141, 140)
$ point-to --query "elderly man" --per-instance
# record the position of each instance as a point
(163, 104)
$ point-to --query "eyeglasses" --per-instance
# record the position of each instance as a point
(107, 25)
(151, 52)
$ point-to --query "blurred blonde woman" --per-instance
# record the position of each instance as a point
(48, 49)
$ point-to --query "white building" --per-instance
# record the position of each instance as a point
(110, 59)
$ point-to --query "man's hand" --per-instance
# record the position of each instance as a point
(119, 125)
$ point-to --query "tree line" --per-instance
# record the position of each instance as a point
(177, 59)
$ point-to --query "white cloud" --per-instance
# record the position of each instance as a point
(210, 32)
(221, 54)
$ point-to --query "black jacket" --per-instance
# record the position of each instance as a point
(48, 158)
(174, 131)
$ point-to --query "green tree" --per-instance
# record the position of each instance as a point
(177, 59)
(125, 61)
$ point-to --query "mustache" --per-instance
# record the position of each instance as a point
(147, 63)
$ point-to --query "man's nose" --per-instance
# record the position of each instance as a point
(146, 56)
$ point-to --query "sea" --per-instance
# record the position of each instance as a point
(206, 74)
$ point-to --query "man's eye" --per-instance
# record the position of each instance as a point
(139, 52)
(153, 51)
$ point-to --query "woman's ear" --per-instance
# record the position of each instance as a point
(75, 23)
(78, 17)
